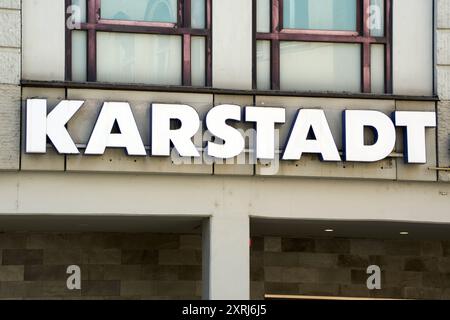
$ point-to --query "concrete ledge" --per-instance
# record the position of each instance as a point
(181, 89)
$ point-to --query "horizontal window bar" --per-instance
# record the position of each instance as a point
(138, 23)
(144, 29)
(321, 32)
(319, 38)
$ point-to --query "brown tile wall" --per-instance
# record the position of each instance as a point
(337, 267)
(113, 265)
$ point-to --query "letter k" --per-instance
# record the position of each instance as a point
(39, 125)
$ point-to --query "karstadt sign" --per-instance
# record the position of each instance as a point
(40, 126)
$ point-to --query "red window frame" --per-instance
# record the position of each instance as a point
(361, 36)
(181, 28)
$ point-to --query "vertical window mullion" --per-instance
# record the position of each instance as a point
(280, 15)
(366, 72)
(275, 46)
(93, 16)
(180, 16)
(187, 13)
(68, 43)
(359, 16)
(275, 65)
(184, 8)
(98, 7)
(366, 54)
(186, 59)
(92, 55)
(209, 43)
(275, 23)
(254, 17)
(388, 47)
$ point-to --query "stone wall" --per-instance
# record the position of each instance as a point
(113, 265)
(337, 267)
(10, 61)
(443, 85)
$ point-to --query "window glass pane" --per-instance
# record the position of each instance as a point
(377, 68)
(320, 66)
(263, 16)
(198, 8)
(138, 58)
(79, 53)
(376, 20)
(198, 61)
(263, 65)
(79, 10)
(320, 14)
(140, 10)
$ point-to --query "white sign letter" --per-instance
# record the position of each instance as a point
(355, 149)
(128, 137)
(162, 135)
(265, 119)
(40, 125)
(234, 142)
(74, 280)
(414, 133)
(374, 280)
(323, 143)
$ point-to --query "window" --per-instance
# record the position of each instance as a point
(323, 45)
(157, 42)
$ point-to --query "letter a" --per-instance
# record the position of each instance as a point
(374, 281)
(74, 280)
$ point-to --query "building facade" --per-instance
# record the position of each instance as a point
(119, 153)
